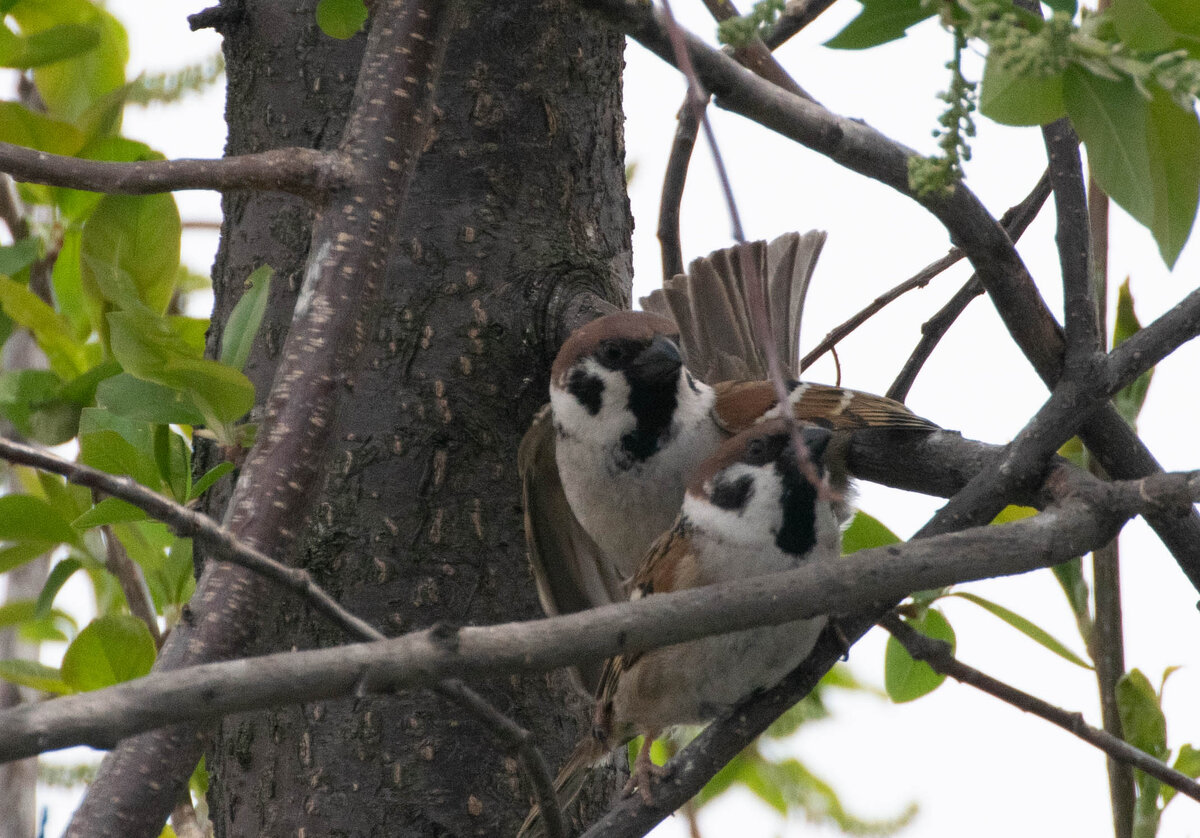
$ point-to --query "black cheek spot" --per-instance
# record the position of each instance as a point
(733, 494)
(587, 390)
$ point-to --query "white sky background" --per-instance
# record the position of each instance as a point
(969, 761)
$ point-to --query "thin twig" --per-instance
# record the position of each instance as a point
(1106, 636)
(797, 15)
(674, 179)
(1015, 221)
(225, 546)
(937, 654)
(133, 583)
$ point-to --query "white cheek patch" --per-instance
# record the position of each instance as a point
(604, 427)
(755, 523)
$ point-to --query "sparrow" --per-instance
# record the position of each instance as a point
(748, 510)
(604, 466)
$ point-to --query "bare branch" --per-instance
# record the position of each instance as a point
(937, 654)
(1089, 514)
(298, 171)
(1155, 341)
(1083, 338)
(674, 180)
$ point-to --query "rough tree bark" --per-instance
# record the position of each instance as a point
(518, 199)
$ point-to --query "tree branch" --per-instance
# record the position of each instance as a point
(1089, 514)
(299, 171)
(937, 654)
(1083, 338)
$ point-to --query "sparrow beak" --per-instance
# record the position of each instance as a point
(658, 363)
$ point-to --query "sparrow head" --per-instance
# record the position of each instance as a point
(753, 491)
(619, 377)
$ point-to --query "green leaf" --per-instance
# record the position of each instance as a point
(36, 676)
(147, 543)
(1070, 576)
(12, 613)
(58, 576)
(67, 500)
(866, 532)
(110, 650)
(21, 126)
(1139, 27)
(1026, 627)
(68, 285)
(20, 554)
(174, 461)
(1011, 99)
(19, 255)
(130, 251)
(68, 357)
(341, 19)
(148, 348)
(1145, 154)
(1142, 721)
(1187, 763)
(70, 87)
(111, 452)
(108, 511)
(174, 581)
(48, 46)
(880, 21)
(146, 401)
(242, 325)
(210, 477)
(1012, 513)
(906, 679)
(1179, 14)
(1173, 134)
(1130, 399)
(23, 393)
(1111, 117)
(26, 518)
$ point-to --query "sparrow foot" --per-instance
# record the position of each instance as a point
(644, 771)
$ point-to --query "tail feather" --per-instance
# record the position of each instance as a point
(567, 785)
(710, 306)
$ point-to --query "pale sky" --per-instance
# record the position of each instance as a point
(969, 761)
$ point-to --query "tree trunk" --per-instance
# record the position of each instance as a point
(518, 198)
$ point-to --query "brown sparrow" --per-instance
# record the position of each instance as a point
(604, 468)
(748, 511)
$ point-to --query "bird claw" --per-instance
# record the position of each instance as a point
(644, 772)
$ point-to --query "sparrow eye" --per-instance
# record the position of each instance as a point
(612, 352)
